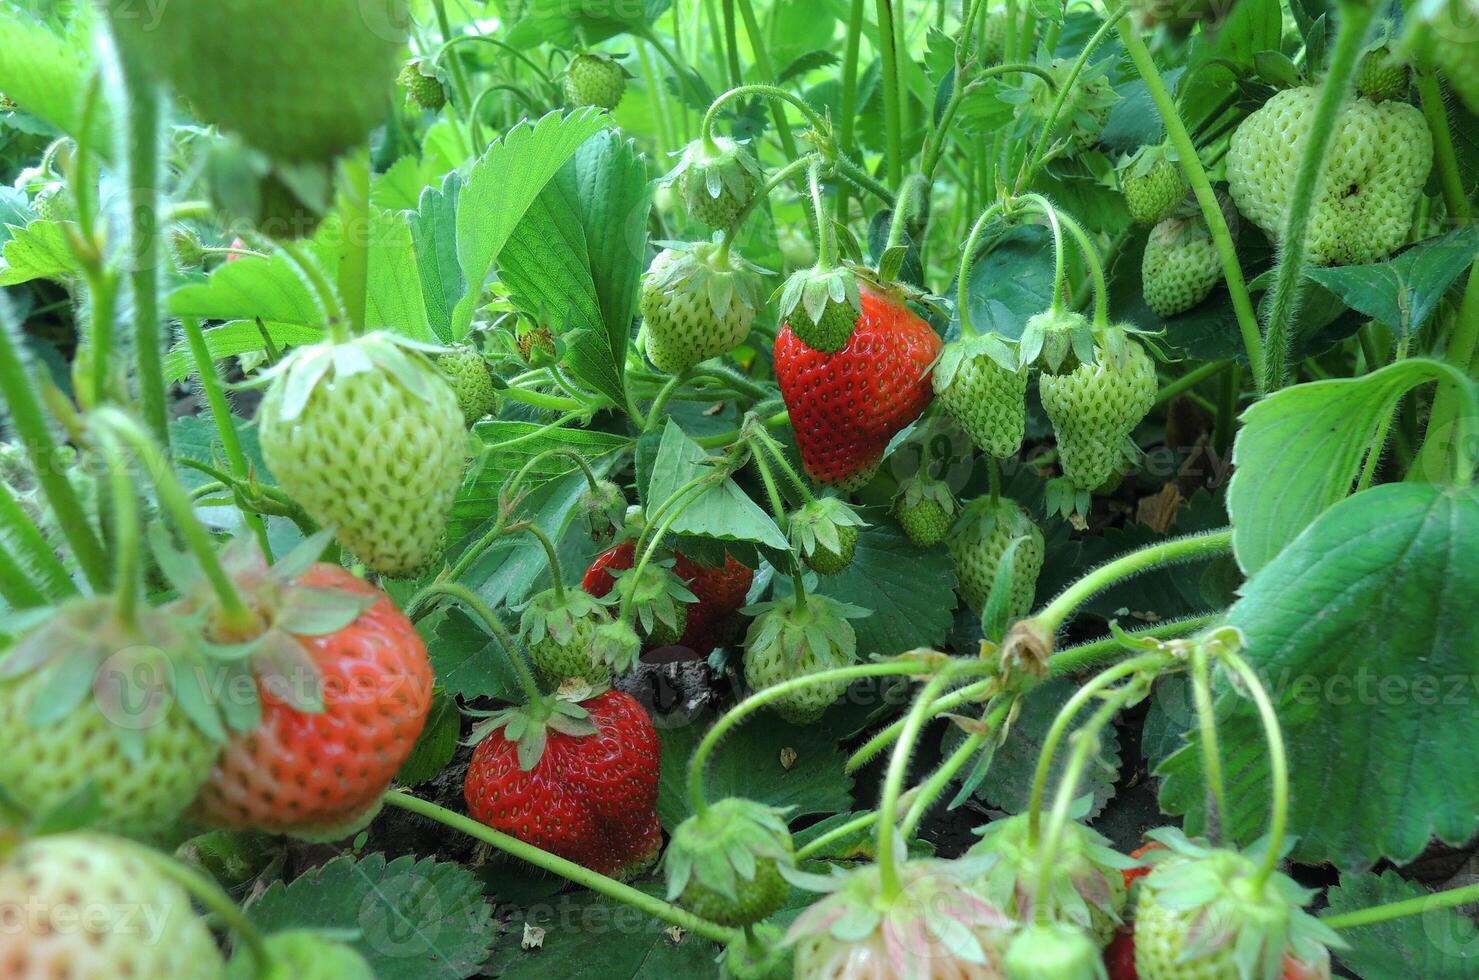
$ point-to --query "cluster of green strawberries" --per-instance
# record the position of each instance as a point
(1375, 169)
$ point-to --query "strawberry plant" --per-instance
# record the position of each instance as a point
(738, 488)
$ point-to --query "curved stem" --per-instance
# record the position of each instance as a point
(465, 596)
(34, 569)
(654, 413)
(898, 769)
(1086, 246)
(850, 170)
(925, 795)
(826, 247)
(892, 112)
(127, 537)
(451, 42)
(917, 183)
(1201, 686)
(329, 301)
(1201, 186)
(772, 92)
(209, 894)
(775, 692)
(1423, 904)
(1071, 660)
(1355, 20)
(1085, 740)
(1064, 719)
(853, 826)
(1046, 208)
(236, 619)
(767, 70)
(514, 90)
(781, 176)
(1278, 764)
(538, 433)
(1029, 168)
(1188, 548)
(663, 519)
(1444, 444)
(551, 555)
(539, 399)
(967, 260)
(1190, 380)
(585, 877)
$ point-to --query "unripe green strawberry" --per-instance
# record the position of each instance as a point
(715, 180)
(472, 382)
(1086, 109)
(603, 508)
(822, 307)
(366, 435)
(90, 907)
(658, 600)
(1152, 186)
(189, 253)
(1375, 170)
(1261, 930)
(1095, 407)
(88, 698)
(54, 202)
(788, 640)
(302, 954)
(1087, 884)
(1380, 76)
(824, 533)
(925, 509)
(537, 347)
(982, 535)
(593, 79)
(1053, 951)
(300, 80)
(984, 390)
(757, 953)
(423, 89)
(724, 864)
(697, 303)
(561, 633)
(994, 38)
(1181, 266)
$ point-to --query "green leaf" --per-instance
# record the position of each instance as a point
(1301, 450)
(468, 661)
(235, 338)
(1403, 292)
(394, 299)
(1012, 282)
(723, 511)
(434, 234)
(47, 74)
(1363, 629)
(1008, 782)
(437, 744)
(1439, 944)
(591, 937)
(752, 762)
(1252, 26)
(561, 23)
(911, 590)
(409, 918)
(37, 251)
(270, 289)
(503, 183)
(399, 188)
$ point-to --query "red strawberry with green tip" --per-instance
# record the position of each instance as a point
(577, 779)
(846, 406)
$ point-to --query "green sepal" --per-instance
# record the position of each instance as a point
(958, 352)
(617, 646)
(528, 726)
(402, 358)
(1057, 341)
(656, 597)
(825, 528)
(547, 615)
(719, 847)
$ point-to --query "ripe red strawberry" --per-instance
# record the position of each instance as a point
(845, 407)
(587, 793)
(1119, 958)
(89, 907)
(721, 591)
(320, 774)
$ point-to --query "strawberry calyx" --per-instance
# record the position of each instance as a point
(555, 616)
(822, 306)
(824, 531)
(918, 493)
(654, 598)
(721, 849)
(1087, 887)
(802, 627)
(603, 507)
(1057, 341)
(958, 353)
(716, 176)
(617, 645)
(305, 368)
(528, 725)
(1053, 951)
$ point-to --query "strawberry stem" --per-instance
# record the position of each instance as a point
(511, 648)
(1196, 175)
(775, 692)
(893, 116)
(236, 620)
(967, 260)
(210, 895)
(459, 76)
(771, 186)
(354, 266)
(329, 302)
(916, 185)
(1152, 662)
(34, 434)
(664, 517)
(1201, 688)
(550, 555)
(1278, 764)
(583, 876)
(826, 244)
(762, 439)
(775, 94)
(127, 535)
(926, 793)
(32, 576)
(1422, 905)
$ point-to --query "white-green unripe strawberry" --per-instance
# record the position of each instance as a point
(983, 534)
(715, 179)
(560, 630)
(1181, 266)
(594, 79)
(1096, 406)
(698, 302)
(1084, 112)
(367, 437)
(54, 202)
(472, 382)
(822, 307)
(983, 388)
(1054, 951)
(1375, 169)
(1152, 184)
(303, 954)
(791, 638)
